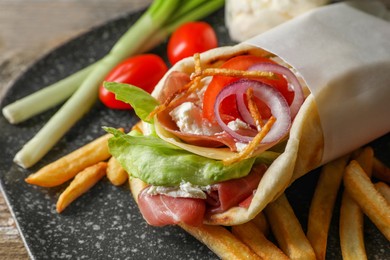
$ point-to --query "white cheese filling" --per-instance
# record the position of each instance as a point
(247, 18)
(189, 119)
(185, 190)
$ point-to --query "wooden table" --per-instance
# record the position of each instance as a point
(28, 30)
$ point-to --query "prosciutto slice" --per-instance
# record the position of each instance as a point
(161, 210)
(175, 81)
(216, 140)
(230, 193)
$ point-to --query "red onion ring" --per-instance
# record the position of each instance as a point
(242, 108)
(267, 94)
(291, 79)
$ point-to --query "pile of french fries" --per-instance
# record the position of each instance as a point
(85, 166)
(353, 175)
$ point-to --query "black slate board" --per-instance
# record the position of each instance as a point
(105, 223)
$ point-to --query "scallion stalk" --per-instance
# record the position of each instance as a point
(85, 96)
(158, 17)
(190, 11)
(45, 98)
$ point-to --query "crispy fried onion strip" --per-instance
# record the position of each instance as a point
(251, 147)
(253, 109)
(197, 76)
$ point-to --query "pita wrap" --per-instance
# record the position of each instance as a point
(306, 147)
(299, 157)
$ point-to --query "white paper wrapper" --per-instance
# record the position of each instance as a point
(343, 55)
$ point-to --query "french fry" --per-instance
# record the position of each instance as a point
(322, 204)
(261, 222)
(383, 189)
(381, 171)
(115, 172)
(65, 168)
(351, 216)
(137, 127)
(351, 229)
(366, 159)
(221, 241)
(81, 184)
(252, 236)
(363, 191)
(287, 230)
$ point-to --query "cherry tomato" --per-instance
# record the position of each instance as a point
(228, 107)
(143, 71)
(191, 38)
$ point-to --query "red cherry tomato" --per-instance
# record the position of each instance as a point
(191, 38)
(143, 71)
(228, 107)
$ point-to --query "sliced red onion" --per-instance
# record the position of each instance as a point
(242, 108)
(267, 94)
(291, 79)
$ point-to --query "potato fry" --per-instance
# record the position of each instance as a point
(261, 222)
(221, 241)
(366, 159)
(363, 191)
(351, 216)
(381, 171)
(351, 229)
(252, 236)
(115, 172)
(383, 189)
(137, 127)
(322, 204)
(287, 230)
(65, 168)
(81, 184)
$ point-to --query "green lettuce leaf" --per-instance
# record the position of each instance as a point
(157, 162)
(142, 102)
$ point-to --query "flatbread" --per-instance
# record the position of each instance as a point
(303, 150)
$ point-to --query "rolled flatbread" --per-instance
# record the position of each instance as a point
(312, 131)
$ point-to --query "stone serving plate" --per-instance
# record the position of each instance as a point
(105, 223)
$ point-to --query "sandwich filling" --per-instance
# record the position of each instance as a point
(208, 137)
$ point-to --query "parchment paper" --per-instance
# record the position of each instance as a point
(343, 55)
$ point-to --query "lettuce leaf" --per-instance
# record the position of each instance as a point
(157, 162)
(142, 102)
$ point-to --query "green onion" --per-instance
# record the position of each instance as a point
(189, 11)
(45, 98)
(158, 15)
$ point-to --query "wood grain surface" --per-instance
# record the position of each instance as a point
(28, 30)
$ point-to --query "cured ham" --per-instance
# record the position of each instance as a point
(175, 81)
(230, 193)
(216, 140)
(161, 210)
